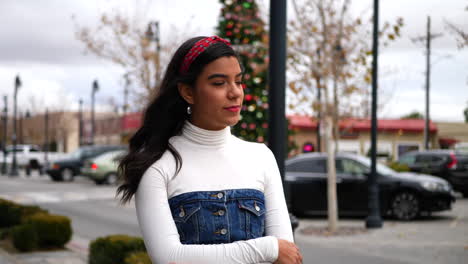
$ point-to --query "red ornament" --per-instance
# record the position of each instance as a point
(252, 126)
(244, 86)
(265, 125)
(248, 97)
(228, 33)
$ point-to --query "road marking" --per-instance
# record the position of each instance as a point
(55, 197)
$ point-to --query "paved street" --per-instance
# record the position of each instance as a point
(442, 238)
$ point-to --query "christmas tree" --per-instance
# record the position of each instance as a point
(241, 24)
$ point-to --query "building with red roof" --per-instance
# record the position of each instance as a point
(395, 136)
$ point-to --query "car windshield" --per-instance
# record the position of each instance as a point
(381, 169)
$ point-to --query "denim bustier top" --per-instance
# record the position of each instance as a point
(216, 217)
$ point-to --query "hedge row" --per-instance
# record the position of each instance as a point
(31, 227)
(118, 249)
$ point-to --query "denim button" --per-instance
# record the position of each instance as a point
(181, 214)
(220, 195)
(257, 208)
(221, 212)
(223, 231)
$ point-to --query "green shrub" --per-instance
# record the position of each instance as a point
(24, 237)
(4, 232)
(29, 210)
(10, 213)
(114, 249)
(140, 257)
(400, 167)
(52, 230)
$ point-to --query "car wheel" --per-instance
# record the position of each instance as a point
(67, 175)
(112, 178)
(99, 182)
(405, 206)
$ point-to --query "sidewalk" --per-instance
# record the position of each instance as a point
(442, 238)
(71, 255)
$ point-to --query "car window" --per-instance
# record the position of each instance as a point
(350, 167)
(423, 159)
(33, 150)
(437, 159)
(308, 165)
(407, 159)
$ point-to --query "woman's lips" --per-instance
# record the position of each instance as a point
(233, 108)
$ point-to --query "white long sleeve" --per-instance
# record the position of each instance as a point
(204, 169)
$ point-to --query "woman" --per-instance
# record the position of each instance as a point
(201, 194)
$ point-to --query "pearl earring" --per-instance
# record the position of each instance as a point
(189, 110)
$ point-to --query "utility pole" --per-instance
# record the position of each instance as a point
(427, 39)
(428, 85)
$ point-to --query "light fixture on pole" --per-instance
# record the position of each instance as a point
(374, 219)
(152, 35)
(14, 165)
(93, 125)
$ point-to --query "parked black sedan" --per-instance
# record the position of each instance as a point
(66, 169)
(402, 195)
(445, 163)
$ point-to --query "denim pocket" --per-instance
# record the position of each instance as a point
(254, 212)
(186, 219)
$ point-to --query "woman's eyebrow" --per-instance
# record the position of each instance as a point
(220, 75)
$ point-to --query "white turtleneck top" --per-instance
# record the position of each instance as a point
(212, 160)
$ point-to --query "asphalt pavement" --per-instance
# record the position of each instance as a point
(442, 238)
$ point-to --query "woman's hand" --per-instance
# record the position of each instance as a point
(288, 253)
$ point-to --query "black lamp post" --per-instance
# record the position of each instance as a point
(5, 131)
(93, 125)
(374, 220)
(14, 166)
(152, 34)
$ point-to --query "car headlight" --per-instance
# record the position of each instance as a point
(435, 186)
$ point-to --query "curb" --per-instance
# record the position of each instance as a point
(11, 259)
(78, 245)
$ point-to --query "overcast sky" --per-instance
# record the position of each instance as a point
(38, 43)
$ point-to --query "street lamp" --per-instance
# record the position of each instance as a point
(14, 168)
(5, 130)
(374, 220)
(152, 34)
(125, 106)
(93, 93)
(80, 123)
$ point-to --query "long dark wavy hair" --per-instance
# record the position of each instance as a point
(164, 117)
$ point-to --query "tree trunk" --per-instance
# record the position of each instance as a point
(331, 182)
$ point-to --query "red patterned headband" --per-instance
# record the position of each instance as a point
(199, 48)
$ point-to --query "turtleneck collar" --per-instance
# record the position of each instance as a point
(205, 137)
